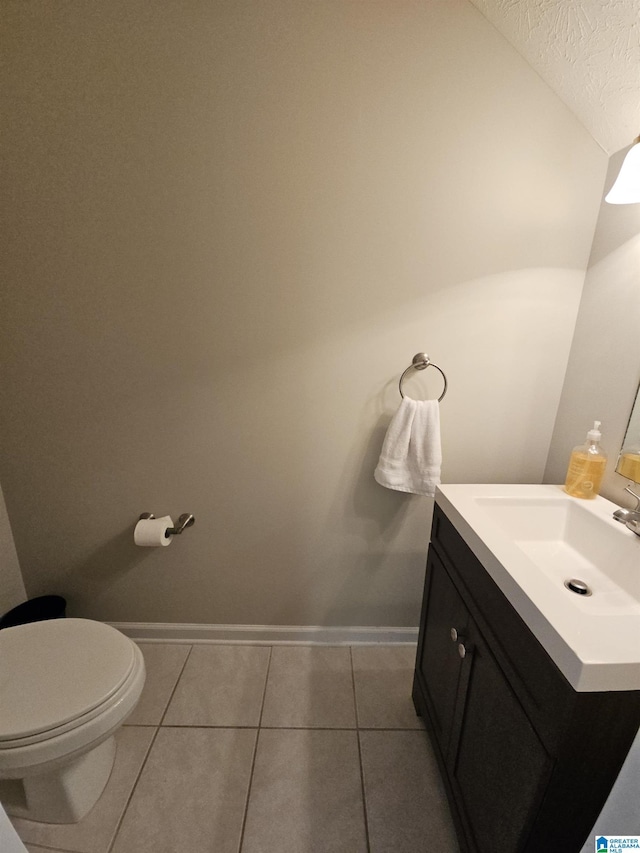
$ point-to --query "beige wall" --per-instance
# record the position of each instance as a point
(12, 590)
(231, 226)
(604, 366)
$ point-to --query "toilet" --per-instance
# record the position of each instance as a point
(66, 687)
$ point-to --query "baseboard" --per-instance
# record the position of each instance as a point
(163, 632)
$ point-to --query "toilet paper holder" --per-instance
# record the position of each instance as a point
(184, 521)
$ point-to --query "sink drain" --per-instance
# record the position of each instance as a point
(578, 586)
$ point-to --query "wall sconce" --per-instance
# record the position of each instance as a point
(626, 189)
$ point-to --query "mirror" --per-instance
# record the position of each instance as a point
(629, 459)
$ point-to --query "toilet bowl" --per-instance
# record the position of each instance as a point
(66, 685)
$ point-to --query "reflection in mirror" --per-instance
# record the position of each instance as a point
(629, 459)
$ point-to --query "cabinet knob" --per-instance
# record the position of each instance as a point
(454, 634)
(462, 650)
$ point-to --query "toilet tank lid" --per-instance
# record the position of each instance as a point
(55, 671)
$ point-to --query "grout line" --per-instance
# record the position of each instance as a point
(362, 788)
(175, 686)
(391, 729)
(246, 804)
(255, 753)
(353, 687)
(289, 728)
(146, 758)
(264, 689)
(224, 726)
(133, 787)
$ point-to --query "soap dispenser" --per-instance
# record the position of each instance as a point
(586, 466)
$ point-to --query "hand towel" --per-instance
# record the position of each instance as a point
(411, 455)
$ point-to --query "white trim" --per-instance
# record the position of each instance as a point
(163, 632)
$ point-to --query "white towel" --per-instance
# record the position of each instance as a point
(411, 454)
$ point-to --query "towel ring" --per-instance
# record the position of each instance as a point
(420, 361)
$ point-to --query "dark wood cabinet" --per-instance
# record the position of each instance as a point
(527, 761)
(446, 620)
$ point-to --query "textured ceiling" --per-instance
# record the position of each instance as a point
(588, 51)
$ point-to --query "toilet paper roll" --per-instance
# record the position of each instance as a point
(151, 532)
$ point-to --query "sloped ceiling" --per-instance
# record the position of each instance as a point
(588, 52)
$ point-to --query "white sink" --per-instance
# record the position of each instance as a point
(531, 540)
(566, 541)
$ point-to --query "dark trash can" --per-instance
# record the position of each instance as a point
(35, 610)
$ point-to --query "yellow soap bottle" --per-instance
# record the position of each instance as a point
(586, 466)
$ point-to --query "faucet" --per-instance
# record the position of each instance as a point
(630, 517)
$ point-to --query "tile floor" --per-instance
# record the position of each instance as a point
(258, 749)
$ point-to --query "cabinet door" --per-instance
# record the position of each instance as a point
(497, 764)
(439, 663)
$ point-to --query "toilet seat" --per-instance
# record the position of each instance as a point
(65, 683)
(55, 673)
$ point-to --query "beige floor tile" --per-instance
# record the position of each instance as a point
(306, 794)
(94, 833)
(407, 807)
(163, 662)
(383, 677)
(309, 686)
(220, 686)
(192, 793)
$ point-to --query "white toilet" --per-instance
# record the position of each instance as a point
(66, 685)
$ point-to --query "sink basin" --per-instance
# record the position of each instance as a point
(565, 541)
(532, 539)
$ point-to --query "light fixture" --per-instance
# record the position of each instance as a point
(626, 189)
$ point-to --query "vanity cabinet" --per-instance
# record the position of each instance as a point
(527, 761)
